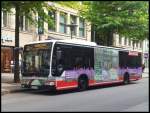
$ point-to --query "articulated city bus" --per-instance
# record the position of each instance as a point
(65, 64)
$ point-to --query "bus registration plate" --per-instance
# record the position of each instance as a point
(34, 87)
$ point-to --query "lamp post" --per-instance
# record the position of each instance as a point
(40, 32)
(72, 26)
(40, 26)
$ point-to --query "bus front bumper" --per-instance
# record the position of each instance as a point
(38, 84)
(44, 87)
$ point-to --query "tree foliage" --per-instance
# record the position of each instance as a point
(72, 4)
(30, 9)
(127, 18)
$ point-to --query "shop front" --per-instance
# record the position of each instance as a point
(7, 57)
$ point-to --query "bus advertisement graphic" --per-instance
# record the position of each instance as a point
(106, 63)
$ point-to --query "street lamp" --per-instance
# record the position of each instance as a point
(40, 26)
(72, 26)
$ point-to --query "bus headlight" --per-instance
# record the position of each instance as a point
(51, 83)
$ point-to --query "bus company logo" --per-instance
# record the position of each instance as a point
(133, 53)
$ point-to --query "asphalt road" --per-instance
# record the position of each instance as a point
(132, 97)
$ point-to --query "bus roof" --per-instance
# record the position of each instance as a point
(80, 42)
(72, 41)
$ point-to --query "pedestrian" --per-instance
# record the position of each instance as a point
(143, 67)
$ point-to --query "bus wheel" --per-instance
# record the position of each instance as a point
(126, 78)
(82, 83)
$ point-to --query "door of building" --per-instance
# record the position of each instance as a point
(6, 57)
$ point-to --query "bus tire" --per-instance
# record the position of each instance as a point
(126, 78)
(82, 83)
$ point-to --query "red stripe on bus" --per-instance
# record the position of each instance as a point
(66, 87)
(63, 84)
(60, 85)
(91, 82)
(120, 77)
(106, 83)
(132, 77)
(135, 77)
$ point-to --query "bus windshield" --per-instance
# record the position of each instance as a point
(36, 60)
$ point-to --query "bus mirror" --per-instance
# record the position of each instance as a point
(20, 49)
(59, 54)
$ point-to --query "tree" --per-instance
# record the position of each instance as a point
(28, 9)
(127, 18)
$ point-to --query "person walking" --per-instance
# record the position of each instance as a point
(143, 67)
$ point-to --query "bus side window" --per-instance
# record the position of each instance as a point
(78, 62)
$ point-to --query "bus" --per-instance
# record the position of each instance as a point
(66, 64)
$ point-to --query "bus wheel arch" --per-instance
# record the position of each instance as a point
(83, 82)
(126, 78)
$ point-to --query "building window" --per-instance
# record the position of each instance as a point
(51, 26)
(7, 20)
(62, 27)
(81, 28)
(136, 44)
(26, 24)
(73, 20)
(120, 40)
(129, 42)
(5, 16)
(125, 41)
(21, 23)
(140, 44)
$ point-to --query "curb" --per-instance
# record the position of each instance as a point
(4, 92)
(13, 91)
(145, 75)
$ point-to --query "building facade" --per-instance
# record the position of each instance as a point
(127, 43)
(142, 46)
(8, 39)
(28, 33)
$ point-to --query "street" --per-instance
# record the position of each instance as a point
(132, 97)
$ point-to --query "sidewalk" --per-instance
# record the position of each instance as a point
(145, 73)
(10, 88)
(8, 85)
